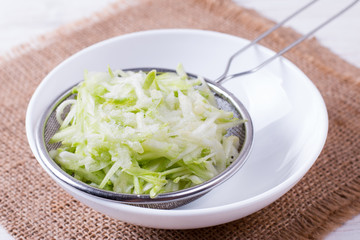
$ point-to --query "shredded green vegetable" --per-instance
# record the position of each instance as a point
(144, 133)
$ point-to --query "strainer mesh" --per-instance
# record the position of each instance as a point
(51, 126)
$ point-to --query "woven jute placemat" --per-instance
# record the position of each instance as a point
(32, 206)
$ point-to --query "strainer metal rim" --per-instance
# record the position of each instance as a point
(180, 195)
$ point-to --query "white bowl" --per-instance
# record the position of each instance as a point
(288, 113)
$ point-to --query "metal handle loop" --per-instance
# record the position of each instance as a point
(224, 77)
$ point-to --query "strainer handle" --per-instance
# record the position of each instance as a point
(224, 77)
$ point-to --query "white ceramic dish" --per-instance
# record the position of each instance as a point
(289, 116)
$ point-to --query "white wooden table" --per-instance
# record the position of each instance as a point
(22, 21)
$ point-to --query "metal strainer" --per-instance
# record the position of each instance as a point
(225, 100)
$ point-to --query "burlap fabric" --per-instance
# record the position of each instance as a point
(34, 207)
